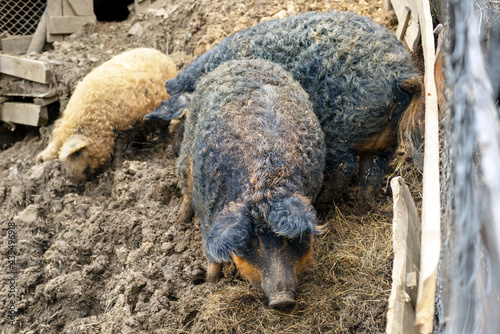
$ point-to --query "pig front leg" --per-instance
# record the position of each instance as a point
(340, 168)
(121, 142)
(213, 272)
(371, 172)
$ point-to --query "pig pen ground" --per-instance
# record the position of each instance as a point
(110, 257)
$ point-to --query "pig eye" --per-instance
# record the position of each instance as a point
(76, 154)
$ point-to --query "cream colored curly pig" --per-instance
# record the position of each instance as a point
(113, 97)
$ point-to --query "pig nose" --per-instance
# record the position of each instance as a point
(282, 301)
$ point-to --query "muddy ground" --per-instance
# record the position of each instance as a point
(110, 257)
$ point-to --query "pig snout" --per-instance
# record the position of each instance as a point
(75, 175)
(280, 285)
(282, 301)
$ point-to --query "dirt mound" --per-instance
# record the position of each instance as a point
(110, 257)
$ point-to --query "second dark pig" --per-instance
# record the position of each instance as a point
(250, 166)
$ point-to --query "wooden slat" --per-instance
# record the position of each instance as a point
(431, 203)
(33, 70)
(69, 24)
(406, 243)
(23, 113)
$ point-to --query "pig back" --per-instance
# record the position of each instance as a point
(251, 138)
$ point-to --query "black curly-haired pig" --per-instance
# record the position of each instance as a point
(250, 165)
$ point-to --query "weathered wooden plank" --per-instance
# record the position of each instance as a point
(406, 244)
(69, 24)
(25, 68)
(23, 113)
(16, 45)
(80, 7)
(54, 8)
(431, 203)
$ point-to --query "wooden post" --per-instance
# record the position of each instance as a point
(431, 203)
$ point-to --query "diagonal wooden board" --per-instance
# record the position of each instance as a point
(81, 8)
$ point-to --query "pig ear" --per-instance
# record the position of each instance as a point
(292, 217)
(73, 144)
(228, 233)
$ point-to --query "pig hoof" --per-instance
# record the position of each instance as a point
(366, 204)
(282, 303)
